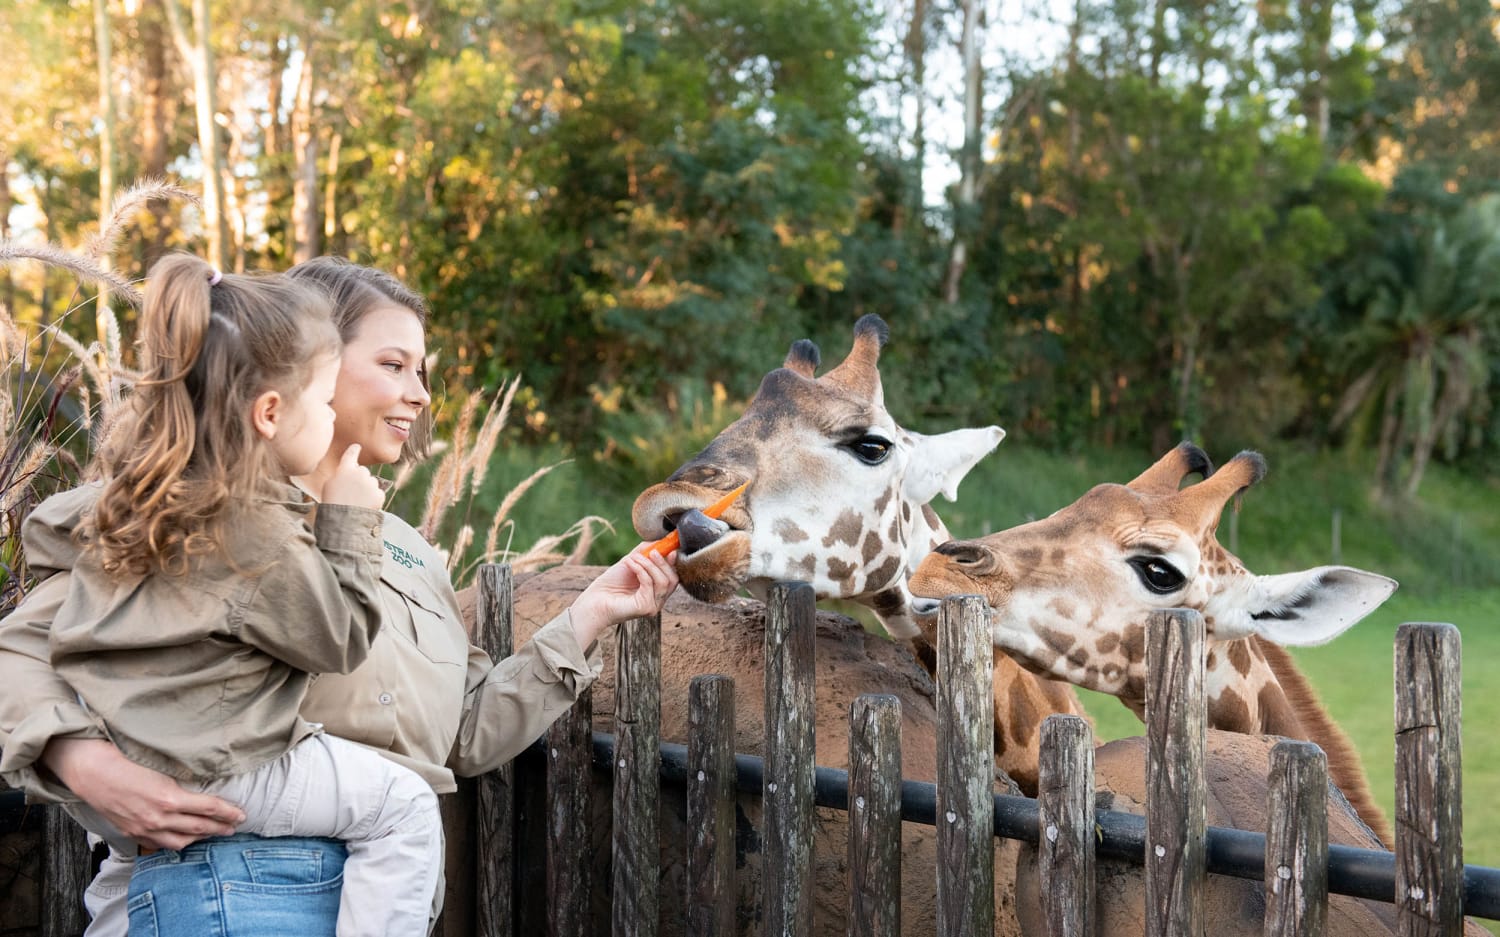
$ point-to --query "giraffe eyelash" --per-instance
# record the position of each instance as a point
(870, 448)
(1157, 575)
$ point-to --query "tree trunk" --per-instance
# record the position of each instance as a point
(234, 185)
(155, 119)
(1317, 24)
(1385, 461)
(968, 163)
(915, 46)
(305, 231)
(7, 285)
(197, 51)
(330, 194)
(107, 122)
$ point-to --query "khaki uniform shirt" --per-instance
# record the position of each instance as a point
(423, 697)
(201, 675)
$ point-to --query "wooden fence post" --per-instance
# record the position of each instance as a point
(1065, 849)
(788, 796)
(67, 868)
(494, 876)
(875, 816)
(966, 769)
(635, 904)
(1297, 841)
(1176, 802)
(569, 747)
(710, 807)
(1429, 811)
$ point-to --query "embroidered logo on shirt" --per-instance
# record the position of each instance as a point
(404, 557)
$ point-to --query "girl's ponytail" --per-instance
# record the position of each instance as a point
(175, 321)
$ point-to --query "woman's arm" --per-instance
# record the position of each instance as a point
(36, 705)
(636, 586)
(148, 807)
(509, 704)
(51, 746)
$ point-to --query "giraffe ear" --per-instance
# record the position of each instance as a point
(939, 463)
(1307, 608)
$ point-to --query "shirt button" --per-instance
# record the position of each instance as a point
(386, 699)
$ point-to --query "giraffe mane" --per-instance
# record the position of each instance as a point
(1345, 768)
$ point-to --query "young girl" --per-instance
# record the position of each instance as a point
(204, 593)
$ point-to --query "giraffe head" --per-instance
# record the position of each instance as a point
(838, 492)
(1070, 594)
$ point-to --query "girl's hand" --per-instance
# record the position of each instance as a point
(148, 807)
(636, 586)
(352, 484)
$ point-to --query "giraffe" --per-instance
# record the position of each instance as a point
(1070, 594)
(839, 497)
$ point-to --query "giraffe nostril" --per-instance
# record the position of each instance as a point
(969, 556)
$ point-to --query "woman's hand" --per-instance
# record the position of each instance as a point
(147, 806)
(636, 586)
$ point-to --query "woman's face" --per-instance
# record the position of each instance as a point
(379, 392)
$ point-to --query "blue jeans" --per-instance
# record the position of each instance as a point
(239, 886)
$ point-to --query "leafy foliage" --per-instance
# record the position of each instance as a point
(1184, 213)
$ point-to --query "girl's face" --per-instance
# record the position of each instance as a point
(379, 391)
(304, 431)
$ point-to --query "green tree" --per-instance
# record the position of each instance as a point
(1419, 360)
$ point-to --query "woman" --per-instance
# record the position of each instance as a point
(424, 697)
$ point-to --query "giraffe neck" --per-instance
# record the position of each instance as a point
(918, 530)
(1254, 687)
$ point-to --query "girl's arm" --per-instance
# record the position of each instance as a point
(318, 607)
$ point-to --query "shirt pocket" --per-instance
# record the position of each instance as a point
(430, 625)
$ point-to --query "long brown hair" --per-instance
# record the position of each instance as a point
(355, 291)
(185, 453)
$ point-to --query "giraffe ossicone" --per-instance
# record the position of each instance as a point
(839, 493)
(1069, 596)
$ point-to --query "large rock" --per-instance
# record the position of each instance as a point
(1236, 768)
(698, 638)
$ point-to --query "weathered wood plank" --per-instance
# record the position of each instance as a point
(67, 869)
(495, 808)
(1429, 806)
(636, 857)
(1297, 841)
(966, 769)
(1176, 729)
(875, 816)
(569, 750)
(710, 807)
(1065, 849)
(788, 795)
(456, 810)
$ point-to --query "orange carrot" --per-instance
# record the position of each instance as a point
(671, 541)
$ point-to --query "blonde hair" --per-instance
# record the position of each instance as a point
(185, 453)
(355, 291)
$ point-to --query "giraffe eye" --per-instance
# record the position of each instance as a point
(870, 449)
(1157, 574)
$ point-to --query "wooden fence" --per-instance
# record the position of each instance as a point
(491, 894)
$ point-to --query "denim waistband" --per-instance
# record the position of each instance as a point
(240, 841)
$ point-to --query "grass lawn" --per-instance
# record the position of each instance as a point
(1354, 676)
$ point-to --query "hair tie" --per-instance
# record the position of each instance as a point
(217, 276)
